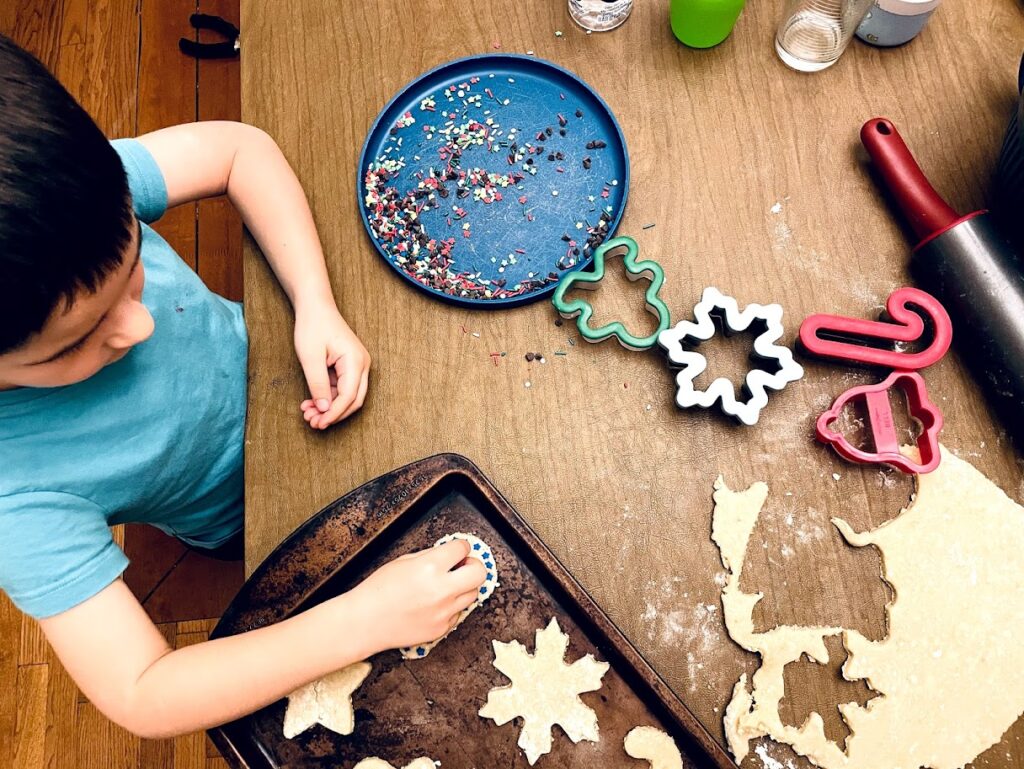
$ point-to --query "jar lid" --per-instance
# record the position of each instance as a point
(907, 7)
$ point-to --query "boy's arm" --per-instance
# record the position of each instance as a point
(122, 663)
(200, 160)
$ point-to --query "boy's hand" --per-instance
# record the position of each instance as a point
(335, 363)
(417, 597)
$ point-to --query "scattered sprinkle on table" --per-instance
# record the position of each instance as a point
(648, 226)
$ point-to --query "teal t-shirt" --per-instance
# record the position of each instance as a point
(154, 438)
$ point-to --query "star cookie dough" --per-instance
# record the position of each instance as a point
(378, 763)
(544, 691)
(950, 673)
(655, 746)
(479, 550)
(327, 701)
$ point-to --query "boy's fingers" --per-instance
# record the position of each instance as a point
(346, 387)
(448, 555)
(465, 599)
(314, 367)
(468, 577)
(357, 404)
(348, 384)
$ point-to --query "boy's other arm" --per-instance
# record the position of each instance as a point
(124, 666)
(200, 160)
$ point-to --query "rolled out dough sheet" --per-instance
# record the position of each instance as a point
(949, 674)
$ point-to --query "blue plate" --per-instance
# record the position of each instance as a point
(487, 178)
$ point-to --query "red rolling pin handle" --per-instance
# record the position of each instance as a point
(926, 211)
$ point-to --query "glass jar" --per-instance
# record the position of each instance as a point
(600, 15)
(814, 33)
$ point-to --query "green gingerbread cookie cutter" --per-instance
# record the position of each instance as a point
(589, 279)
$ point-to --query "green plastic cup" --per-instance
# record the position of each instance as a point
(704, 23)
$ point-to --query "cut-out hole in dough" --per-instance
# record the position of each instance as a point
(849, 594)
(815, 688)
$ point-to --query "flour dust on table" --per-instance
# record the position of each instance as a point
(949, 676)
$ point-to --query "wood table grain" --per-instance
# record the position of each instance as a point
(755, 181)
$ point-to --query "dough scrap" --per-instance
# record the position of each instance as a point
(479, 550)
(379, 763)
(950, 672)
(544, 691)
(654, 745)
(327, 701)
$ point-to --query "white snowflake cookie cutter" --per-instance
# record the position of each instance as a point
(714, 304)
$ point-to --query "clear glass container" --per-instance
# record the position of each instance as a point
(600, 15)
(814, 33)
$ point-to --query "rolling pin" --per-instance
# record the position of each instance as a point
(970, 267)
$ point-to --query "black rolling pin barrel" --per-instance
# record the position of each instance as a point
(970, 267)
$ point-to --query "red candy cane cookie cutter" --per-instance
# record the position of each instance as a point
(835, 336)
(850, 339)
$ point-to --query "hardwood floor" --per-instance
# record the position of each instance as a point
(120, 59)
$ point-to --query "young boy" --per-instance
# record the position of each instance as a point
(122, 398)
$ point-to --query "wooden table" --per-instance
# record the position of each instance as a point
(756, 182)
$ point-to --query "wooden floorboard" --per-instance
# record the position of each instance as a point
(30, 730)
(10, 643)
(220, 226)
(120, 59)
(167, 97)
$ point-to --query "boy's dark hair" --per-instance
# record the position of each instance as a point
(65, 210)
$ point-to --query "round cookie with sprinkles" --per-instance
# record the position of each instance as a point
(477, 549)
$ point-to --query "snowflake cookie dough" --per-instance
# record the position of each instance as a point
(378, 763)
(544, 691)
(655, 746)
(480, 551)
(950, 673)
(327, 701)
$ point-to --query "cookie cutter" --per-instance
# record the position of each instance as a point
(583, 311)
(850, 339)
(883, 428)
(842, 338)
(714, 305)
